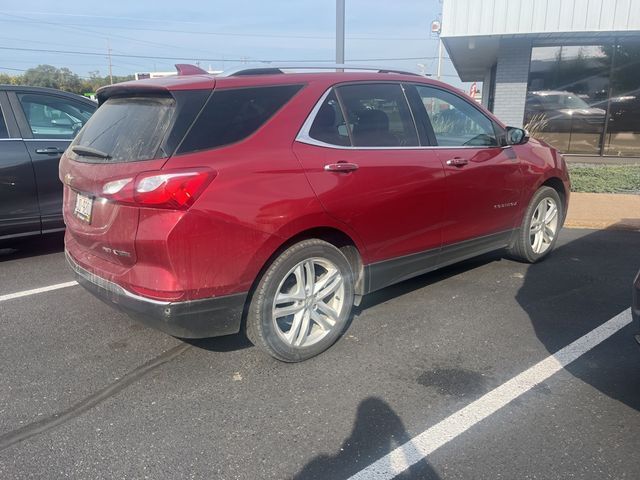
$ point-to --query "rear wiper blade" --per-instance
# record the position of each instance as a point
(89, 152)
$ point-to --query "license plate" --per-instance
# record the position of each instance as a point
(84, 205)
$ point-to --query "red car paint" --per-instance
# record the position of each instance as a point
(269, 189)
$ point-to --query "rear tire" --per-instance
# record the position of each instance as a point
(302, 303)
(540, 226)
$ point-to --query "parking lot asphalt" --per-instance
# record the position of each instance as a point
(85, 392)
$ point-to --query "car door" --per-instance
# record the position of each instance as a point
(484, 179)
(48, 123)
(363, 158)
(19, 212)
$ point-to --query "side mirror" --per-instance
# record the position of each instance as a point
(516, 136)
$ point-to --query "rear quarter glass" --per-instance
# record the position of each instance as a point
(234, 114)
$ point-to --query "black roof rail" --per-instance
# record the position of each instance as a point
(270, 69)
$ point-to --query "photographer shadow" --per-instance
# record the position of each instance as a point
(377, 430)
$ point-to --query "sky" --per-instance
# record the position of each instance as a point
(153, 35)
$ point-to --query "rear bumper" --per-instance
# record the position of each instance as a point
(209, 317)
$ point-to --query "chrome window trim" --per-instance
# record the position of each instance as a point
(10, 138)
(48, 139)
(304, 137)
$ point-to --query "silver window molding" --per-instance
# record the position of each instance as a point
(47, 139)
(304, 137)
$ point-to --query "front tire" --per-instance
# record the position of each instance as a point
(540, 226)
(302, 303)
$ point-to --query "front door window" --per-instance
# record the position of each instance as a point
(455, 122)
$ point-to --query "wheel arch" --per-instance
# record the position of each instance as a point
(336, 237)
(558, 185)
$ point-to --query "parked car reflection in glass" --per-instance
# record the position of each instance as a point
(565, 120)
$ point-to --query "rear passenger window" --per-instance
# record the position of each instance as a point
(378, 115)
(233, 115)
(329, 125)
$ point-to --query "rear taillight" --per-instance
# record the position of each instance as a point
(176, 189)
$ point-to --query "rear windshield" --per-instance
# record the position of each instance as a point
(232, 115)
(126, 129)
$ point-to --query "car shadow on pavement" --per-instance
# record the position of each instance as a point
(31, 247)
(399, 289)
(581, 285)
(227, 343)
(376, 431)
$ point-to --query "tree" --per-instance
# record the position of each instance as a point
(68, 81)
(42, 76)
(62, 79)
(7, 79)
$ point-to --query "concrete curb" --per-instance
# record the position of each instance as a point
(604, 211)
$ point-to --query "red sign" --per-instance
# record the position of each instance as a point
(474, 90)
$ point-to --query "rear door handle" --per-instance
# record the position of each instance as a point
(49, 151)
(341, 167)
(457, 162)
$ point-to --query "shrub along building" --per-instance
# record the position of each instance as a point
(568, 70)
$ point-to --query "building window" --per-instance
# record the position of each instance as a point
(567, 96)
(585, 99)
(622, 137)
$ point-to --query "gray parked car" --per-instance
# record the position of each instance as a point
(36, 126)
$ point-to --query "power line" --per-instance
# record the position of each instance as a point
(226, 34)
(197, 58)
(75, 29)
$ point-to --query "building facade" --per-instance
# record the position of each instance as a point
(567, 70)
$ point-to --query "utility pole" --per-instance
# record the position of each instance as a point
(110, 69)
(340, 31)
(436, 27)
(439, 57)
(436, 30)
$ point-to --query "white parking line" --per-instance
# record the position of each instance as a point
(433, 438)
(26, 293)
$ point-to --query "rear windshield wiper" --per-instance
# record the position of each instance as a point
(89, 152)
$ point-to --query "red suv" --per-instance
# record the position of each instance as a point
(272, 202)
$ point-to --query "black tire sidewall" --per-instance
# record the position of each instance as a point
(265, 293)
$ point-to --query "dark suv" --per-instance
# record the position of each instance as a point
(36, 126)
(274, 201)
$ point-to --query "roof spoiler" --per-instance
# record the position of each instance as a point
(188, 69)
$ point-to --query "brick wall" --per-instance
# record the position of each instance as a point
(512, 73)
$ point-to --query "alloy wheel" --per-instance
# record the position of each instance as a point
(544, 225)
(308, 302)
